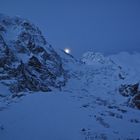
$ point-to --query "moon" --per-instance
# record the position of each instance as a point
(67, 50)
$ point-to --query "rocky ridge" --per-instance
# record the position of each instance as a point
(27, 60)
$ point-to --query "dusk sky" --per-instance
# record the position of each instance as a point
(107, 26)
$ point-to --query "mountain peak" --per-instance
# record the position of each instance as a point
(92, 58)
(27, 59)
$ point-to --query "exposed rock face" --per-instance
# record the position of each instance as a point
(136, 100)
(27, 61)
(131, 91)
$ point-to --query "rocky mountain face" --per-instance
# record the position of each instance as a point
(132, 92)
(27, 60)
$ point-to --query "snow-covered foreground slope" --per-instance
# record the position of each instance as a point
(68, 115)
(40, 116)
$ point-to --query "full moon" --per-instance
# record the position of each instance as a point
(67, 50)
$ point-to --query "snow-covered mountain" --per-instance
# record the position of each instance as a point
(27, 60)
(93, 58)
(94, 98)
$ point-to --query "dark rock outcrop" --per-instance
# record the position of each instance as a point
(133, 93)
(129, 90)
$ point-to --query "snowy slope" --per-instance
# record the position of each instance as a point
(130, 63)
(51, 116)
(75, 113)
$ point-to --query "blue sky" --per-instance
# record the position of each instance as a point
(107, 26)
